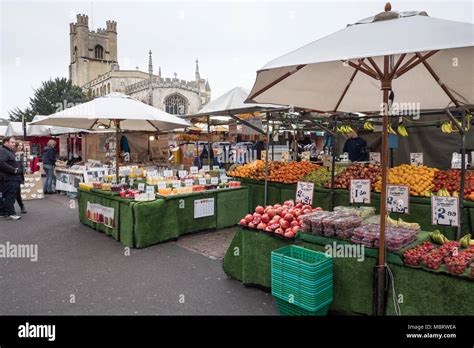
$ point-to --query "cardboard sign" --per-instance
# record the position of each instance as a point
(182, 173)
(150, 190)
(206, 168)
(445, 211)
(285, 156)
(203, 208)
(194, 170)
(214, 181)
(305, 156)
(168, 173)
(161, 184)
(304, 192)
(141, 186)
(360, 191)
(215, 168)
(224, 179)
(176, 183)
(189, 182)
(416, 158)
(398, 200)
(374, 158)
(202, 181)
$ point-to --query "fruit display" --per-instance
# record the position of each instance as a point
(371, 172)
(450, 181)
(455, 264)
(363, 212)
(321, 176)
(284, 172)
(432, 259)
(339, 224)
(418, 178)
(396, 237)
(412, 257)
(438, 238)
(86, 186)
(284, 220)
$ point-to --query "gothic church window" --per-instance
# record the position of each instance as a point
(99, 52)
(108, 88)
(175, 105)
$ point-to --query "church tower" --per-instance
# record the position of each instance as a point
(92, 53)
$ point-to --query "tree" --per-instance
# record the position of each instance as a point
(53, 96)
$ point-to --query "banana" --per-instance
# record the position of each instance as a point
(402, 130)
(465, 241)
(392, 221)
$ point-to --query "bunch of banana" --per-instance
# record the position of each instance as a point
(392, 222)
(439, 238)
(468, 122)
(391, 130)
(466, 241)
(455, 194)
(402, 130)
(344, 129)
(413, 225)
(447, 127)
(369, 126)
(428, 193)
(443, 193)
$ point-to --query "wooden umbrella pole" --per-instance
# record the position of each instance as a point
(117, 149)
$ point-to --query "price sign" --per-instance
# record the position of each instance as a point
(189, 182)
(285, 156)
(416, 158)
(150, 190)
(456, 161)
(194, 170)
(263, 154)
(131, 182)
(214, 181)
(176, 183)
(305, 156)
(203, 208)
(161, 184)
(202, 181)
(224, 179)
(141, 186)
(182, 173)
(327, 161)
(206, 168)
(168, 173)
(445, 211)
(360, 191)
(215, 168)
(114, 180)
(398, 199)
(304, 192)
(374, 158)
(123, 181)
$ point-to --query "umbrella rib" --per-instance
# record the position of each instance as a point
(366, 66)
(377, 69)
(153, 125)
(361, 61)
(438, 80)
(397, 64)
(278, 80)
(421, 59)
(373, 75)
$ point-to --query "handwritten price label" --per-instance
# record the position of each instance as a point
(188, 182)
(304, 192)
(182, 173)
(374, 157)
(360, 191)
(161, 184)
(176, 183)
(214, 181)
(168, 173)
(206, 168)
(202, 181)
(445, 211)
(416, 158)
(141, 187)
(194, 170)
(398, 199)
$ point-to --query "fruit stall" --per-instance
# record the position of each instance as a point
(140, 212)
(433, 276)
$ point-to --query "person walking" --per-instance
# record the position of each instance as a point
(49, 160)
(20, 157)
(10, 179)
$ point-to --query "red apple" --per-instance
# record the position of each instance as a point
(271, 213)
(248, 218)
(298, 212)
(260, 210)
(289, 217)
(261, 226)
(251, 225)
(295, 229)
(294, 223)
(243, 222)
(268, 229)
(276, 206)
(279, 210)
(289, 203)
(265, 218)
(299, 206)
(306, 211)
(279, 231)
(284, 223)
(307, 206)
(289, 234)
(318, 209)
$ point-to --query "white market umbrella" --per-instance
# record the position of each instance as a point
(15, 129)
(425, 61)
(3, 130)
(117, 111)
(54, 130)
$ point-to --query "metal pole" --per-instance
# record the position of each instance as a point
(266, 161)
(333, 164)
(209, 140)
(117, 148)
(273, 141)
(463, 173)
(23, 123)
(380, 271)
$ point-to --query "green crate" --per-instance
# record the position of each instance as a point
(305, 259)
(303, 284)
(279, 268)
(290, 309)
(311, 301)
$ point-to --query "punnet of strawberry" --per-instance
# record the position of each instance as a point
(432, 259)
(455, 264)
(413, 256)
(282, 219)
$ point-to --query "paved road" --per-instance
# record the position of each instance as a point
(77, 264)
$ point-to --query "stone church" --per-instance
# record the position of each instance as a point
(94, 67)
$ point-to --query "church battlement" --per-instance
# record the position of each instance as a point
(82, 20)
(111, 26)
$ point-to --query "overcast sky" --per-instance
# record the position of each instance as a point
(231, 39)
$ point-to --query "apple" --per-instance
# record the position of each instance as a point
(289, 203)
(279, 231)
(318, 209)
(261, 226)
(288, 217)
(307, 206)
(260, 210)
(268, 229)
(284, 223)
(243, 222)
(251, 225)
(265, 218)
(276, 218)
(294, 223)
(298, 212)
(306, 211)
(248, 218)
(295, 229)
(279, 211)
(276, 206)
(289, 234)
(299, 206)
(271, 213)
(256, 220)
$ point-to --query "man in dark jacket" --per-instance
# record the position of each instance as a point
(10, 179)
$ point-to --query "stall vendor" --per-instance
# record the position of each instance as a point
(356, 147)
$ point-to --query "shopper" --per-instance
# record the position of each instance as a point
(20, 157)
(356, 147)
(260, 145)
(49, 160)
(10, 179)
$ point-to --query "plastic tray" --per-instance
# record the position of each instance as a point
(290, 309)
